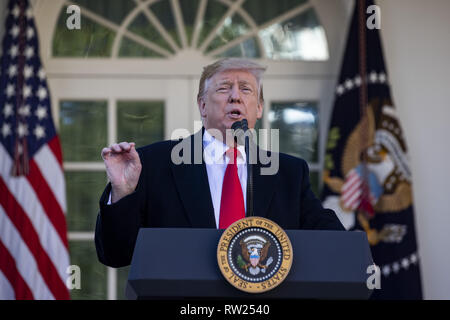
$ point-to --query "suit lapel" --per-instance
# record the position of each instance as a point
(193, 188)
(264, 187)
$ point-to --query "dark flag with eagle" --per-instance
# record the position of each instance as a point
(367, 177)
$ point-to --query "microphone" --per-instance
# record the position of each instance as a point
(240, 128)
(236, 125)
(244, 124)
(237, 131)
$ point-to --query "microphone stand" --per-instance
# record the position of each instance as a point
(244, 126)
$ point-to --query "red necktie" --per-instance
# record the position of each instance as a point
(232, 201)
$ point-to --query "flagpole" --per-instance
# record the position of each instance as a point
(363, 101)
(20, 166)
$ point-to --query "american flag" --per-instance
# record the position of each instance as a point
(33, 237)
(360, 189)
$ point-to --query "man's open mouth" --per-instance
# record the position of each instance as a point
(234, 114)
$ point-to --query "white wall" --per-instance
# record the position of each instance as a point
(416, 39)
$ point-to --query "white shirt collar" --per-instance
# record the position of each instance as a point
(214, 150)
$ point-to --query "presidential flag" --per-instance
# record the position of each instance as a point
(367, 177)
(33, 238)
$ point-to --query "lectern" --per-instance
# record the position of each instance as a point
(182, 263)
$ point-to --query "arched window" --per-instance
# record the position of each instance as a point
(132, 71)
(279, 30)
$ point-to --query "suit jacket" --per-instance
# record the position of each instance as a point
(178, 196)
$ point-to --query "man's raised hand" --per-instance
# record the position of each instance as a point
(123, 168)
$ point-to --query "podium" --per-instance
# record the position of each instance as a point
(176, 263)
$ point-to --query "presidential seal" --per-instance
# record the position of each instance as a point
(254, 254)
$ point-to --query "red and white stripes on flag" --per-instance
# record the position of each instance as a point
(352, 191)
(34, 254)
(355, 191)
(33, 242)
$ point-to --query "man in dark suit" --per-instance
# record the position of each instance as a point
(149, 189)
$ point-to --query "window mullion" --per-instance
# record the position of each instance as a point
(213, 32)
(198, 22)
(110, 25)
(155, 22)
(125, 23)
(179, 22)
(112, 284)
(112, 121)
(80, 236)
(285, 16)
(83, 166)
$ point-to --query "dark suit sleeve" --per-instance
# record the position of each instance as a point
(118, 225)
(313, 215)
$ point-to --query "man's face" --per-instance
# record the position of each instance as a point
(231, 96)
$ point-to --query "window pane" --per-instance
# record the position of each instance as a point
(93, 273)
(189, 9)
(246, 49)
(129, 48)
(92, 40)
(213, 13)
(265, 10)
(232, 28)
(314, 180)
(298, 123)
(301, 37)
(163, 10)
(104, 8)
(122, 277)
(83, 193)
(83, 129)
(140, 121)
(143, 27)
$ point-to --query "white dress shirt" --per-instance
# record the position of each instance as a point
(216, 164)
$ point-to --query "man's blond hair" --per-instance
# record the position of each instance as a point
(231, 64)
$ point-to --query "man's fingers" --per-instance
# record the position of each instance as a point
(115, 147)
(118, 148)
(105, 152)
(125, 146)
